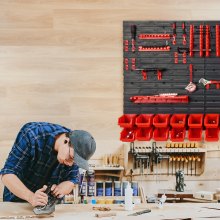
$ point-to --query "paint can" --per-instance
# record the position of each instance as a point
(134, 186)
(99, 188)
(117, 188)
(108, 188)
(124, 185)
(91, 182)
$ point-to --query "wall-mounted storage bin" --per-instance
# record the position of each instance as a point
(195, 134)
(161, 120)
(195, 120)
(178, 120)
(144, 134)
(127, 120)
(212, 134)
(211, 120)
(161, 134)
(177, 134)
(127, 135)
(144, 120)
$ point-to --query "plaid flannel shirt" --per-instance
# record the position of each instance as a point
(33, 154)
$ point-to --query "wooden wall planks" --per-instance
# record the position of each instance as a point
(61, 61)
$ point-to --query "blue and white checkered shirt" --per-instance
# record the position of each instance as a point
(34, 161)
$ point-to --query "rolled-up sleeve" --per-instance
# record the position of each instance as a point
(19, 156)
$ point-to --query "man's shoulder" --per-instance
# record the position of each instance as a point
(44, 128)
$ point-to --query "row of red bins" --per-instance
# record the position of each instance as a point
(143, 127)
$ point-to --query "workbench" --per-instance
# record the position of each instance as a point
(85, 211)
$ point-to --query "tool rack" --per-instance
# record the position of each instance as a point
(157, 56)
(171, 75)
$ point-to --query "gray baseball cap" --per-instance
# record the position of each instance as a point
(84, 147)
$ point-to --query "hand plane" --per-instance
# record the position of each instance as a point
(50, 207)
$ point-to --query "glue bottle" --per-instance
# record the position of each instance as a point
(128, 197)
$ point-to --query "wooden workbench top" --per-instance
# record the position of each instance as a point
(76, 212)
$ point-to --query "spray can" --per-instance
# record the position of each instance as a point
(128, 198)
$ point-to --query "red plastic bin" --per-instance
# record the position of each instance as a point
(127, 135)
(211, 120)
(161, 134)
(161, 120)
(144, 134)
(178, 134)
(195, 134)
(178, 120)
(144, 120)
(195, 120)
(127, 120)
(212, 134)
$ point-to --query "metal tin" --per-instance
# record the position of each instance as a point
(108, 188)
(99, 188)
(117, 188)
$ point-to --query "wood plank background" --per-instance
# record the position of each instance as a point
(61, 61)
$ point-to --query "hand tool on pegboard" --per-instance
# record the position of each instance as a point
(217, 40)
(160, 99)
(191, 163)
(126, 64)
(184, 33)
(154, 49)
(207, 41)
(133, 37)
(201, 43)
(154, 36)
(197, 159)
(144, 72)
(126, 45)
(194, 160)
(191, 40)
(207, 83)
(174, 33)
(187, 165)
(191, 86)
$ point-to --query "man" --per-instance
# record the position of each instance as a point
(43, 154)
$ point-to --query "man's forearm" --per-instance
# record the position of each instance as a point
(14, 184)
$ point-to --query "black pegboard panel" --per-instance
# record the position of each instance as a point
(175, 77)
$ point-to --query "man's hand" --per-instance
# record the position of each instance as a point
(39, 198)
(62, 189)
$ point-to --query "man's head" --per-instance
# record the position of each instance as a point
(77, 146)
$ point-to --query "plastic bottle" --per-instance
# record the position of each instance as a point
(128, 197)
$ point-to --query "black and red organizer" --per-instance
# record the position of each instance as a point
(162, 97)
(161, 127)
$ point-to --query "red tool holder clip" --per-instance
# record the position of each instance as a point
(133, 63)
(126, 64)
(144, 74)
(165, 48)
(184, 57)
(153, 36)
(201, 44)
(126, 42)
(160, 99)
(184, 33)
(191, 40)
(207, 42)
(217, 29)
(159, 75)
(175, 57)
(174, 33)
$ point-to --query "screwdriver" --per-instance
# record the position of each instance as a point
(133, 37)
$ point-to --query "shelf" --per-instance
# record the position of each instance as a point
(107, 168)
